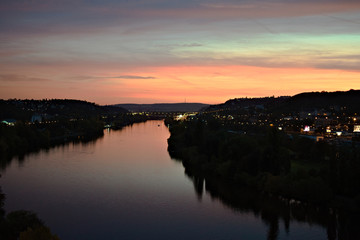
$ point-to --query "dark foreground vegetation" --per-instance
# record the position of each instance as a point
(22, 225)
(269, 161)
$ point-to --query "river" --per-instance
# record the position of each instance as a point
(125, 186)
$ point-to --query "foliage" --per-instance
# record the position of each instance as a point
(24, 224)
(2, 202)
(24, 137)
(268, 160)
(38, 233)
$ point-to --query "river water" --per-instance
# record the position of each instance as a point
(125, 186)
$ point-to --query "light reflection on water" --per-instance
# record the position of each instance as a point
(126, 186)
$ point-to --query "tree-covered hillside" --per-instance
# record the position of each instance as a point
(269, 160)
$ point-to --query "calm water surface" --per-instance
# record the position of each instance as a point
(126, 186)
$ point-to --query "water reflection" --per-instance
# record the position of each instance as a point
(5, 161)
(274, 211)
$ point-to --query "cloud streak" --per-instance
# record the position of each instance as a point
(14, 78)
(132, 77)
(85, 78)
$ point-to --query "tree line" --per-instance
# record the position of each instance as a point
(24, 137)
(270, 161)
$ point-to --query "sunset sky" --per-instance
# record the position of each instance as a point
(151, 51)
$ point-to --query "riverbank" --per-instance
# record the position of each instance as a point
(269, 162)
(24, 138)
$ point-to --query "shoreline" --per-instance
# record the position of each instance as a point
(289, 186)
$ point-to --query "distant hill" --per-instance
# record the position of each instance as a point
(238, 103)
(340, 100)
(164, 107)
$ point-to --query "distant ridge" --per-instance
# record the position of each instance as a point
(300, 102)
(237, 103)
(317, 100)
(163, 107)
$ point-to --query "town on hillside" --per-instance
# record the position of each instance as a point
(332, 117)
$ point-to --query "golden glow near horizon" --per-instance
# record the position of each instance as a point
(168, 52)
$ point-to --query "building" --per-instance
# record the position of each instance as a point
(9, 122)
(36, 118)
